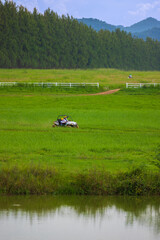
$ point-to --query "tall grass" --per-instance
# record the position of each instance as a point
(33, 180)
(32, 89)
(30, 180)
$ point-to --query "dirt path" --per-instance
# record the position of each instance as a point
(101, 93)
(64, 95)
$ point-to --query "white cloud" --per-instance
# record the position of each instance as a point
(65, 6)
(144, 8)
(30, 5)
(59, 6)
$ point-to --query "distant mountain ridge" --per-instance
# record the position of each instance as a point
(144, 25)
(97, 24)
(149, 27)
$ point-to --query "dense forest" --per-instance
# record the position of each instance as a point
(34, 40)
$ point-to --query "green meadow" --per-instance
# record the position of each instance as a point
(106, 77)
(117, 133)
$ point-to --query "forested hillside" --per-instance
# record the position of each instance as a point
(98, 24)
(154, 33)
(150, 27)
(144, 25)
(33, 40)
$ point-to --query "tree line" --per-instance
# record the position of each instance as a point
(35, 40)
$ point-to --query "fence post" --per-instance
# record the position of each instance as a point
(70, 84)
(140, 85)
(98, 85)
(126, 85)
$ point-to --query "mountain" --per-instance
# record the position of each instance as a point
(143, 26)
(153, 33)
(149, 27)
(97, 24)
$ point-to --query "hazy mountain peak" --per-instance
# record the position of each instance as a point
(97, 24)
(144, 25)
(142, 29)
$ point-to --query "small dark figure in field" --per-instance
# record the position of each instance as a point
(64, 120)
(130, 76)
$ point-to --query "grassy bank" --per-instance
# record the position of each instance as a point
(93, 182)
(118, 133)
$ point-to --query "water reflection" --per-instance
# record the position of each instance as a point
(73, 217)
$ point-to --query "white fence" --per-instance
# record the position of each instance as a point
(49, 84)
(139, 85)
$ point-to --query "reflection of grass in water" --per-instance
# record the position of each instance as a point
(87, 205)
(145, 210)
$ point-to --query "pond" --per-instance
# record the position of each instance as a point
(79, 217)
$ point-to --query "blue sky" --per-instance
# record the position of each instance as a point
(116, 12)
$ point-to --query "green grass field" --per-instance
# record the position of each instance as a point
(106, 77)
(117, 132)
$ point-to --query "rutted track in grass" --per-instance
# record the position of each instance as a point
(92, 94)
(64, 95)
(83, 130)
(102, 93)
